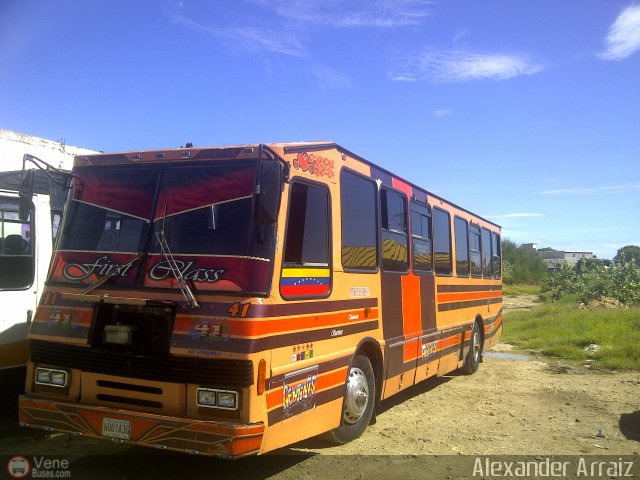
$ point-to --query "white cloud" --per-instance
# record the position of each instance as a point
(247, 38)
(515, 215)
(594, 190)
(351, 13)
(329, 78)
(283, 26)
(461, 34)
(442, 112)
(623, 38)
(460, 65)
(276, 42)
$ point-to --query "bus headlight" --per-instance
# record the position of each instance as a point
(52, 377)
(43, 376)
(58, 378)
(206, 398)
(227, 399)
(209, 397)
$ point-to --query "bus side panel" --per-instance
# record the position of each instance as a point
(427, 365)
(427, 303)
(307, 424)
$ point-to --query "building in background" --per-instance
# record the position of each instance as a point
(553, 259)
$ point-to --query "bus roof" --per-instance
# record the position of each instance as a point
(238, 152)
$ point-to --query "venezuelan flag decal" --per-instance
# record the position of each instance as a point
(305, 282)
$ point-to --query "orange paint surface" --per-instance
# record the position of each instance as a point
(251, 328)
(462, 296)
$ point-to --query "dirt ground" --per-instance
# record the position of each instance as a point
(516, 404)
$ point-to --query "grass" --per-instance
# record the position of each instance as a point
(561, 330)
(520, 289)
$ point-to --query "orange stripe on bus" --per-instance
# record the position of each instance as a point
(411, 312)
(448, 342)
(330, 379)
(324, 381)
(462, 296)
(410, 351)
(269, 327)
(274, 398)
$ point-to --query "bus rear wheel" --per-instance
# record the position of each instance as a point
(474, 356)
(359, 399)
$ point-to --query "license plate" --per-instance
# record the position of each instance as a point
(114, 428)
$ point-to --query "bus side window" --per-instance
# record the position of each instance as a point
(306, 268)
(462, 247)
(475, 248)
(17, 266)
(421, 238)
(496, 260)
(395, 244)
(442, 241)
(359, 222)
(486, 254)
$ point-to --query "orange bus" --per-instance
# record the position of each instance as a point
(233, 300)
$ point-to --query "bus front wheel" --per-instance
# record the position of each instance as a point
(358, 402)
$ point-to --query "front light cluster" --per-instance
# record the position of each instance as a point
(52, 377)
(208, 397)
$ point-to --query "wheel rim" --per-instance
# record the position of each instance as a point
(357, 397)
(476, 346)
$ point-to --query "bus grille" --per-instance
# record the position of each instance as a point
(174, 369)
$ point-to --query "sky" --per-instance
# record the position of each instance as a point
(525, 112)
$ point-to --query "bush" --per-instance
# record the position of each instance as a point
(621, 282)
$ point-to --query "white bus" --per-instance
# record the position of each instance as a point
(25, 246)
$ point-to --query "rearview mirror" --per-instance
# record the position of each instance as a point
(26, 196)
(268, 197)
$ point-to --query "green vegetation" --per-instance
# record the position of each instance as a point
(562, 330)
(595, 281)
(520, 289)
(607, 337)
(521, 265)
(630, 253)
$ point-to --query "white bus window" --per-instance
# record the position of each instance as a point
(16, 253)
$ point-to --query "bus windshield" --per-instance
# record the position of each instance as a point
(203, 213)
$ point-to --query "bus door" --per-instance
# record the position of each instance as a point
(400, 291)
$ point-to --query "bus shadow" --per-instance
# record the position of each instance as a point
(413, 391)
(11, 387)
(318, 443)
(153, 465)
(630, 425)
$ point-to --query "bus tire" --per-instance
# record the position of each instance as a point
(472, 361)
(358, 402)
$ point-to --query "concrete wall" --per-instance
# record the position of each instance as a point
(14, 145)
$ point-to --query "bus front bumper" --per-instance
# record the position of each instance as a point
(217, 438)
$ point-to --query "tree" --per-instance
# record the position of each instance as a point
(524, 265)
(630, 253)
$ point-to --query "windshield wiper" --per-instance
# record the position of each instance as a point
(173, 266)
(115, 271)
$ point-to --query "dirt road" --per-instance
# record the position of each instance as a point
(513, 405)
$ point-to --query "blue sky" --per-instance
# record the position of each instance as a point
(526, 112)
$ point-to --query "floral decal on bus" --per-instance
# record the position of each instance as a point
(314, 164)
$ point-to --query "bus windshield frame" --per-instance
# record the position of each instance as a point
(118, 215)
